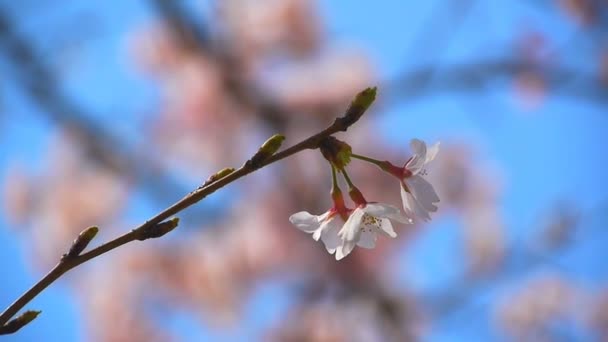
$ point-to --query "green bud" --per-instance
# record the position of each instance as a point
(159, 230)
(17, 323)
(218, 175)
(360, 104)
(272, 145)
(268, 148)
(365, 98)
(81, 242)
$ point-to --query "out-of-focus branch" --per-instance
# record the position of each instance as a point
(481, 74)
(99, 143)
(422, 81)
(442, 24)
(158, 226)
(520, 259)
(193, 35)
(186, 28)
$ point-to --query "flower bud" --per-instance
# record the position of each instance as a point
(268, 148)
(159, 230)
(359, 105)
(218, 175)
(81, 242)
(17, 323)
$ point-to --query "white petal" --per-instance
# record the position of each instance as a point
(352, 228)
(329, 235)
(305, 221)
(418, 147)
(415, 164)
(431, 153)
(423, 192)
(387, 211)
(387, 228)
(379, 209)
(411, 206)
(324, 220)
(343, 250)
(349, 234)
(316, 235)
(367, 239)
(339, 254)
(418, 159)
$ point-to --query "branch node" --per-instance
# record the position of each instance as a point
(336, 152)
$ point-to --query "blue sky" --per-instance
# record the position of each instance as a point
(553, 152)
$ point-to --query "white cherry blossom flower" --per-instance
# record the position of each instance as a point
(418, 195)
(325, 227)
(364, 224)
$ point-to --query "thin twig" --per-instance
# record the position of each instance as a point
(68, 262)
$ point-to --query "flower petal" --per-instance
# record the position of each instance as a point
(418, 159)
(305, 221)
(387, 228)
(352, 228)
(386, 211)
(412, 207)
(431, 153)
(423, 192)
(367, 239)
(343, 250)
(329, 234)
(379, 209)
(418, 147)
(349, 234)
(316, 235)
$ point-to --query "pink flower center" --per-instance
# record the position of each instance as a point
(343, 212)
(399, 172)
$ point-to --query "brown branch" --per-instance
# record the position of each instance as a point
(158, 226)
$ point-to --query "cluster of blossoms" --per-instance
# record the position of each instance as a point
(342, 228)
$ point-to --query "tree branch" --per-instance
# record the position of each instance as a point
(480, 74)
(423, 80)
(41, 86)
(158, 226)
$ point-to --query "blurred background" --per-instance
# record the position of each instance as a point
(112, 111)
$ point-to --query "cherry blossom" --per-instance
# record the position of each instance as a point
(364, 224)
(325, 227)
(418, 195)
